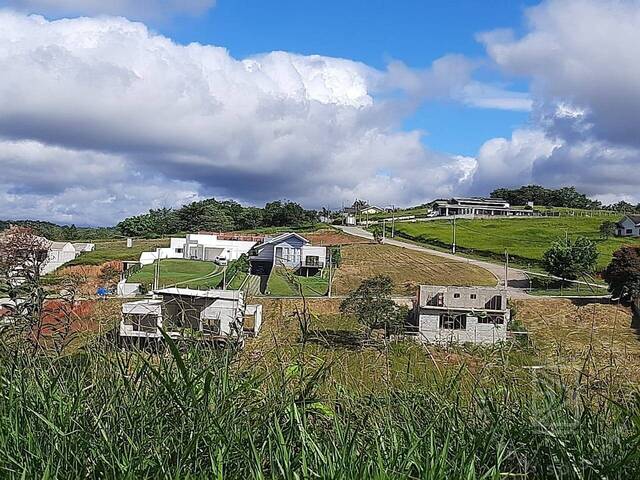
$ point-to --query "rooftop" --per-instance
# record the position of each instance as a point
(191, 292)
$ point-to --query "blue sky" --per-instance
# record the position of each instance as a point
(125, 105)
(372, 31)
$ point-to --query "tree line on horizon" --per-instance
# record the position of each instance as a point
(228, 215)
(216, 216)
(568, 197)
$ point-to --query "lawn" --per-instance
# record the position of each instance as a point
(109, 250)
(526, 239)
(186, 273)
(281, 285)
(407, 269)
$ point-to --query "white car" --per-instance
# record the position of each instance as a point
(220, 261)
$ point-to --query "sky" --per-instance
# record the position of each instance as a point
(109, 108)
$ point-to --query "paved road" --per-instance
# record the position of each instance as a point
(518, 280)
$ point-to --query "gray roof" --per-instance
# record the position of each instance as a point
(283, 237)
(634, 218)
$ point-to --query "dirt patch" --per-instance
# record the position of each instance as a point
(407, 268)
(597, 335)
(330, 237)
(88, 275)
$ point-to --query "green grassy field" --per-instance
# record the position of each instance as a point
(186, 273)
(526, 239)
(279, 284)
(109, 250)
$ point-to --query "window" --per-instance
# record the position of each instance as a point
(629, 231)
(178, 250)
(495, 319)
(473, 296)
(142, 322)
(437, 300)
(456, 295)
(312, 261)
(495, 303)
(453, 322)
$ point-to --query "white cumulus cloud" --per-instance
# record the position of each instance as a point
(94, 107)
(582, 61)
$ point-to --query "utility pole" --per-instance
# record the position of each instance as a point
(453, 245)
(384, 229)
(330, 274)
(156, 270)
(393, 221)
(506, 269)
(224, 278)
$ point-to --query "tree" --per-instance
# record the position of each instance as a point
(373, 307)
(22, 257)
(623, 273)
(607, 229)
(569, 259)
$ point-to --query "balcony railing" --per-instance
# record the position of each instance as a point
(312, 264)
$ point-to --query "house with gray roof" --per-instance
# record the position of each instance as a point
(629, 226)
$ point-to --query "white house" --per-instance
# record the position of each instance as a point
(629, 226)
(289, 250)
(59, 254)
(462, 314)
(214, 315)
(199, 246)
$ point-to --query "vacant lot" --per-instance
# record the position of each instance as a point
(407, 268)
(331, 236)
(526, 239)
(186, 273)
(579, 334)
(109, 250)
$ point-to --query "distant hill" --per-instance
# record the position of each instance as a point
(53, 231)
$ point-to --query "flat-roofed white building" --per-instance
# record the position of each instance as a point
(448, 314)
(215, 315)
(478, 206)
(200, 246)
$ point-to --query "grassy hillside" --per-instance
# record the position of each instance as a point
(188, 273)
(108, 250)
(526, 239)
(407, 269)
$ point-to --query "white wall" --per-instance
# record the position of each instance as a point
(58, 257)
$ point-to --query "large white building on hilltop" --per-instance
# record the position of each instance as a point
(200, 246)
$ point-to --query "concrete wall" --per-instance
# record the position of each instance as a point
(461, 297)
(125, 289)
(486, 333)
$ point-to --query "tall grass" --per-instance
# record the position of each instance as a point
(105, 413)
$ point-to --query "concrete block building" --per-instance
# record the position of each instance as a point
(461, 314)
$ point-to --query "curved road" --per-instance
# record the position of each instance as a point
(518, 280)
